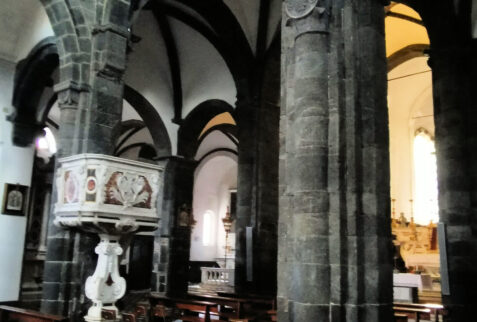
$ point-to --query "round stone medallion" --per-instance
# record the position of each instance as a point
(299, 8)
(71, 189)
(91, 184)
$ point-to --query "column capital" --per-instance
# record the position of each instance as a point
(69, 93)
(308, 16)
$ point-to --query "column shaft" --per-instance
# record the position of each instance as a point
(455, 133)
(334, 227)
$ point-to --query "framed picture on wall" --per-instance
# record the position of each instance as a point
(15, 198)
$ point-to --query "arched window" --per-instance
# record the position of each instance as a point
(425, 178)
(46, 145)
(207, 228)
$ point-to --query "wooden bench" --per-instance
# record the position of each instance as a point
(139, 312)
(415, 313)
(230, 308)
(10, 313)
(435, 309)
(235, 307)
(189, 308)
(272, 315)
(399, 317)
(108, 314)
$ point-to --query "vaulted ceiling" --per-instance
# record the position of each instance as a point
(404, 27)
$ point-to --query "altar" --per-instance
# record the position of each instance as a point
(422, 282)
(424, 262)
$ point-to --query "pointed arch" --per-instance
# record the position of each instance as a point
(194, 123)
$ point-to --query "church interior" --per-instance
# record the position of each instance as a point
(238, 160)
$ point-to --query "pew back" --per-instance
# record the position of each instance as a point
(10, 313)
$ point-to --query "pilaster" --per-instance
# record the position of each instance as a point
(172, 240)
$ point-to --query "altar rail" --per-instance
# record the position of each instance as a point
(212, 276)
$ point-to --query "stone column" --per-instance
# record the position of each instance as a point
(172, 240)
(334, 260)
(265, 281)
(456, 129)
(92, 62)
(257, 188)
(246, 115)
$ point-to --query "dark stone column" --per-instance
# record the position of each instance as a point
(304, 281)
(257, 188)
(334, 260)
(265, 250)
(172, 241)
(246, 115)
(92, 62)
(456, 132)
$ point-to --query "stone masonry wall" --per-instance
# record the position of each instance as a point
(91, 38)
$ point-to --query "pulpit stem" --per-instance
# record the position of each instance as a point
(105, 286)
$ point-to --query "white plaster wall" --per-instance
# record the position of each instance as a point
(274, 21)
(214, 178)
(214, 140)
(246, 12)
(16, 167)
(23, 23)
(148, 71)
(410, 107)
(204, 73)
(129, 113)
(38, 27)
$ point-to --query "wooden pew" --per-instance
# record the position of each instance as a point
(241, 308)
(415, 313)
(108, 314)
(230, 308)
(10, 313)
(435, 309)
(236, 307)
(399, 317)
(139, 312)
(272, 314)
(189, 308)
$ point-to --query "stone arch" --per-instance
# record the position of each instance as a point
(229, 130)
(405, 54)
(193, 124)
(73, 39)
(218, 151)
(32, 76)
(151, 119)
